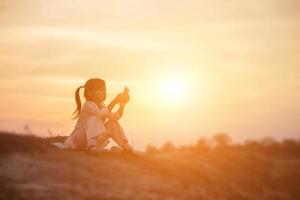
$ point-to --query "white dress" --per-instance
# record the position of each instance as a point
(91, 124)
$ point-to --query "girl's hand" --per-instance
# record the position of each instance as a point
(122, 98)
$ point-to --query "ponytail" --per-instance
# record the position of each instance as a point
(78, 103)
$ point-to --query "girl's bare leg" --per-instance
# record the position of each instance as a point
(116, 132)
(102, 141)
(96, 133)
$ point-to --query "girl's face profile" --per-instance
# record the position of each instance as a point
(98, 95)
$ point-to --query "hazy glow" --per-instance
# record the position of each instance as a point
(193, 67)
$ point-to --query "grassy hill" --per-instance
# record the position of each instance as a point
(31, 168)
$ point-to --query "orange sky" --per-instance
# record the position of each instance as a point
(239, 61)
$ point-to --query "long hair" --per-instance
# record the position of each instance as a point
(90, 85)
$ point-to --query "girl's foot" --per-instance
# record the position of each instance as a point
(92, 149)
(95, 150)
(128, 151)
(115, 149)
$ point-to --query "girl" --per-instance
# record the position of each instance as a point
(96, 122)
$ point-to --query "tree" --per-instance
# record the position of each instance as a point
(151, 149)
(253, 145)
(290, 146)
(222, 139)
(168, 146)
(202, 145)
(270, 145)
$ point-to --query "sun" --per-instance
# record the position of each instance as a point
(174, 89)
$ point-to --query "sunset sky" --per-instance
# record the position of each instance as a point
(193, 68)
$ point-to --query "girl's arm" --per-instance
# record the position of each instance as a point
(121, 98)
(121, 109)
(93, 109)
(112, 104)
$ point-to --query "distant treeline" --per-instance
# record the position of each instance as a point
(222, 141)
(219, 141)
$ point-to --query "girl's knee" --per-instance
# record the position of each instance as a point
(112, 123)
(95, 127)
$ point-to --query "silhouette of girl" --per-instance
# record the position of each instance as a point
(97, 123)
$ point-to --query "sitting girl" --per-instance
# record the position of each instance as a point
(96, 122)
